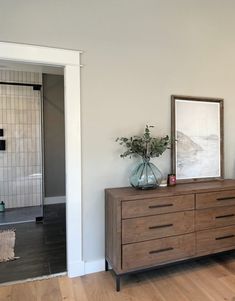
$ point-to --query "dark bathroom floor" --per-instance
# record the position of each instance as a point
(41, 247)
(19, 215)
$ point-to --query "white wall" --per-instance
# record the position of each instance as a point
(137, 53)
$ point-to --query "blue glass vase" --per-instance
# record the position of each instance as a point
(146, 175)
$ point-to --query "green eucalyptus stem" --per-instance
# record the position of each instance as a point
(145, 146)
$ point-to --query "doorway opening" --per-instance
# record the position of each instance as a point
(69, 60)
(32, 170)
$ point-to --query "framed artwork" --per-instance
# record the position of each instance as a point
(197, 138)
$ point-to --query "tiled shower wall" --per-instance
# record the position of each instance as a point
(21, 162)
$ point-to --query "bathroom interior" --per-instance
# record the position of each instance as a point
(32, 169)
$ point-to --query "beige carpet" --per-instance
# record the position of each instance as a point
(7, 245)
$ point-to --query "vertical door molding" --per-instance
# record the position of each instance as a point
(70, 61)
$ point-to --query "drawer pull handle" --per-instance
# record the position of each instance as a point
(161, 250)
(224, 237)
(226, 198)
(160, 206)
(161, 226)
(224, 216)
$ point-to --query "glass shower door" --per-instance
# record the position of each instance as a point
(21, 185)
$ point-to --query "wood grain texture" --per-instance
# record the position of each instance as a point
(157, 205)
(215, 240)
(138, 221)
(129, 193)
(158, 251)
(215, 199)
(45, 253)
(209, 279)
(113, 231)
(157, 226)
(214, 217)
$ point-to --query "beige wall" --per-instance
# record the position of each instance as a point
(136, 54)
(54, 144)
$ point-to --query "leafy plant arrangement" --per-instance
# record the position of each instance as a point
(145, 146)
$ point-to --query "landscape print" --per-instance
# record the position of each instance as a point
(197, 139)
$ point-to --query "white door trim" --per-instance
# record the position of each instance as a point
(70, 61)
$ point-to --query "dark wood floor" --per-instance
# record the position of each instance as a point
(41, 247)
(19, 215)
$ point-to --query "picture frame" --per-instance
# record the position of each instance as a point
(197, 133)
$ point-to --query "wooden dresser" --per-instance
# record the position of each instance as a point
(151, 228)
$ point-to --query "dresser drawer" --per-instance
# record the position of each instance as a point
(215, 199)
(157, 226)
(216, 240)
(161, 205)
(214, 217)
(158, 251)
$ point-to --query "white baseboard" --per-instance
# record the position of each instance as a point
(75, 268)
(80, 268)
(94, 266)
(55, 200)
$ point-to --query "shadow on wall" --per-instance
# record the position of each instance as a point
(54, 136)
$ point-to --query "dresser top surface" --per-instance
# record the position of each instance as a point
(199, 187)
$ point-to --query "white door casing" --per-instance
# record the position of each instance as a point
(70, 61)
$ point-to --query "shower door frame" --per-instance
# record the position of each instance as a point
(70, 61)
(37, 87)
